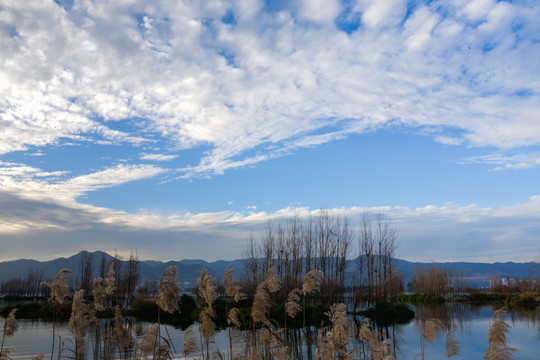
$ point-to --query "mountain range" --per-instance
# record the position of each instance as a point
(477, 274)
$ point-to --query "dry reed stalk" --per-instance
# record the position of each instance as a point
(234, 338)
(121, 334)
(206, 287)
(261, 302)
(272, 280)
(312, 281)
(190, 342)
(341, 329)
(10, 325)
(231, 287)
(369, 336)
(432, 329)
(82, 318)
(168, 293)
(452, 345)
(233, 318)
(207, 325)
(98, 291)
(497, 337)
(109, 281)
(60, 286)
(149, 342)
(292, 305)
(322, 348)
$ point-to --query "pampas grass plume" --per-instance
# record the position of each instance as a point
(169, 290)
(60, 286)
(292, 306)
(109, 280)
(190, 342)
(431, 330)
(233, 319)
(312, 281)
(10, 325)
(122, 336)
(206, 287)
(98, 291)
(452, 347)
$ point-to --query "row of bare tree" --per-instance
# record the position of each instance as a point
(127, 275)
(325, 242)
(435, 280)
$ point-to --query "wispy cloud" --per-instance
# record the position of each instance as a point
(507, 160)
(31, 181)
(158, 157)
(272, 78)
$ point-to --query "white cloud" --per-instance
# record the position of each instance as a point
(32, 182)
(174, 75)
(379, 13)
(322, 11)
(507, 160)
(433, 232)
(158, 157)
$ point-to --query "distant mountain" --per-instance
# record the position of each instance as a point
(189, 270)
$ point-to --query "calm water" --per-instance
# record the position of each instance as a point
(471, 324)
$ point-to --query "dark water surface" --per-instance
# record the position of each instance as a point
(471, 324)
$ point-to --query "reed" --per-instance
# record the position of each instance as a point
(10, 327)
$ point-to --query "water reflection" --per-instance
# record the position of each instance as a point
(471, 324)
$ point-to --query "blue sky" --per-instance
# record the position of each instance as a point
(180, 128)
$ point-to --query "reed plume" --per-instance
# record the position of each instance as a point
(109, 280)
(292, 305)
(149, 344)
(59, 287)
(38, 357)
(341, 330)
(233, 318)
(369, 336)
(207, 290)
(82, 318)
(312, 281)
(98, 291)
(231, 287)
(497, 337)
(190, 343)
(272, 280)
(431, 330)
(261, 300)
(206, 287)
(10, 327)
(169, 290)
(452, 345)
(121, 335)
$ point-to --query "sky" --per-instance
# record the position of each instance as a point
(179, 129)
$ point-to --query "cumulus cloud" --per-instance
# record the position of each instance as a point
(240, 78)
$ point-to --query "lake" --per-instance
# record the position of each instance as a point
(471, 324)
